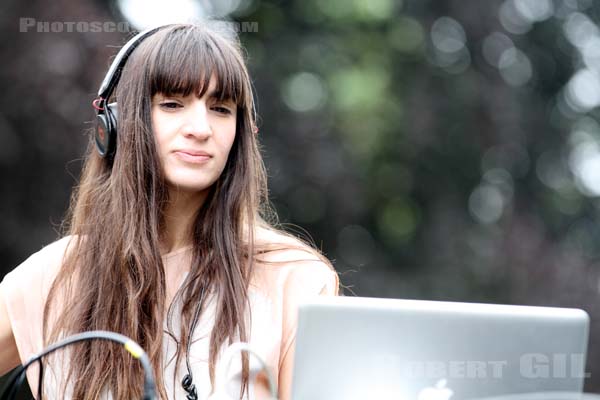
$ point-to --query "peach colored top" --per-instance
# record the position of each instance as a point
(275, 293)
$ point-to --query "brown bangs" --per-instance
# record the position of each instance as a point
(199, 55)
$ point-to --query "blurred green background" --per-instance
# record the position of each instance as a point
(444, 150)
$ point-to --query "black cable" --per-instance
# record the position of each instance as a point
(133, 348)
(40, 379)
(188, 381)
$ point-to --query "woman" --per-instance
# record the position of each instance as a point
(166, 240)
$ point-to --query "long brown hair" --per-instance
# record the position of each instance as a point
(112, 277)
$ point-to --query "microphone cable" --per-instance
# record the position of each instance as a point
(16, 380)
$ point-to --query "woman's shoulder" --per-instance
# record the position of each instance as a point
(276, 246)
(42, 263)
(293, 263)
(58, 247)
(54, 252)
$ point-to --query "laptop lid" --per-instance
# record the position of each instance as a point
(367, 348)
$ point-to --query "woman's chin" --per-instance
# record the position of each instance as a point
(189, 187)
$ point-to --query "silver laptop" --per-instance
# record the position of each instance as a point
(366, 348)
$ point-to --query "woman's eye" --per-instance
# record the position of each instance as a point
(222, 110)
(170, 105)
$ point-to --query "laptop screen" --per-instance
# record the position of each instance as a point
(365, 348)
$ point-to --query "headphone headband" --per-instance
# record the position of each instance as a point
(114, 72)
(106, 117)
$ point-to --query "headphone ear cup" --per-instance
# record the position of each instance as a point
(106, 131)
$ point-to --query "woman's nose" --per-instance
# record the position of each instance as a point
(197, 121)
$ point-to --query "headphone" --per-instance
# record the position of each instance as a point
(106, 117)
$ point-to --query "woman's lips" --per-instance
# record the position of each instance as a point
(194, 157)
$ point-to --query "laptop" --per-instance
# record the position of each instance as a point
(386, 349)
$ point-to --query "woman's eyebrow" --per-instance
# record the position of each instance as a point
(213, 93)
(217, 95)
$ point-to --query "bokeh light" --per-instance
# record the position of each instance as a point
(304, 92)
(515, 67)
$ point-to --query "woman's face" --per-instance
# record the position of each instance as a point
(193, 136)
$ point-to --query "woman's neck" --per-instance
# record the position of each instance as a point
(180, 215)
